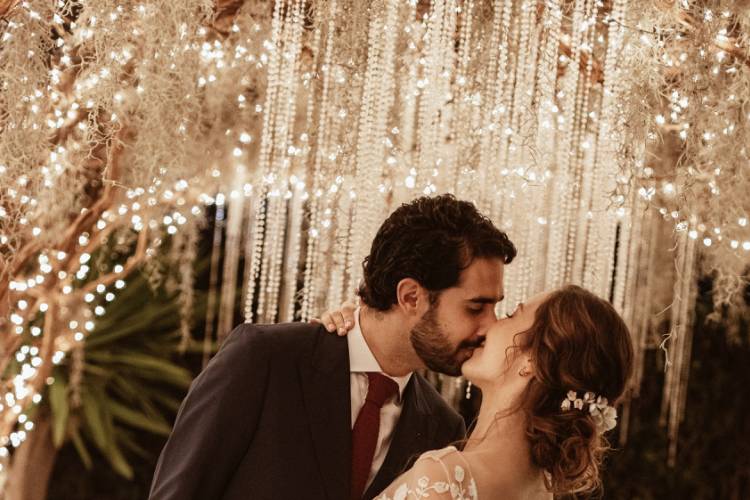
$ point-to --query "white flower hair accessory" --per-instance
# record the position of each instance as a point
(604, 415)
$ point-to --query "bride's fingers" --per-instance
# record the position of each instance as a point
(327, 320)
(348, 315)
(338, 319)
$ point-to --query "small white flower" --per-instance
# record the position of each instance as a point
(423, 482)
(454, 490)
(401, 493)
(458, 473)
(441, 487)
(473, 489)
(603, 414)
(609, 418)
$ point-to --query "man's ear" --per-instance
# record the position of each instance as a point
(412, 297)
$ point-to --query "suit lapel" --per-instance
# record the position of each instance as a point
(414, 433)
(326, 386)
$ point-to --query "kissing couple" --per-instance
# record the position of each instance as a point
(293, 411)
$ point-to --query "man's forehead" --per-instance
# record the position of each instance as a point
(484, 278)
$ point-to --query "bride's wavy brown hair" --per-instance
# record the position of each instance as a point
(577, 342)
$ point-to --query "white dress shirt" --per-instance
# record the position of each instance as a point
(361, 360)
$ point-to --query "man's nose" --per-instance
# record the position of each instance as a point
(482, 331)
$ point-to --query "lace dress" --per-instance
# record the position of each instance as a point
(438, 475)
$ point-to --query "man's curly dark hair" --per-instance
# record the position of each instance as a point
(431, 240)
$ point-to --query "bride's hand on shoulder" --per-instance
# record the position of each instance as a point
(339, 320)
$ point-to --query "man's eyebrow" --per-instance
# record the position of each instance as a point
(486, 300)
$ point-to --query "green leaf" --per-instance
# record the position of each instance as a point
(118, 462)
(132, 327)
(80, 446)
(129, 444)
(170, 403)
(96, 371)
(58, 401)
(137, 420)
(149, 367)
(93, 418)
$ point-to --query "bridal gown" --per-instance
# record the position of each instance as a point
(438, 475)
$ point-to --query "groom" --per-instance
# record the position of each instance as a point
(289, 411)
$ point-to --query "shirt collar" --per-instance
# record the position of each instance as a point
(361, 358)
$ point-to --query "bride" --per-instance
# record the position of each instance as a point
(549, 374)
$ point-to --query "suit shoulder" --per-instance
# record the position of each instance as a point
(286, 336)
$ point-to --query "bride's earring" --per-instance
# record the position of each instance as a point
(468, 390)
(523, 372)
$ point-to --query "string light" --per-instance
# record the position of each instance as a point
(522, 112)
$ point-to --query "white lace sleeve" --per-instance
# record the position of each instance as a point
(437, 475)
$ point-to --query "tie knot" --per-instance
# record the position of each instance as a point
(381, 388)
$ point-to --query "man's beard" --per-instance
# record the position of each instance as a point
(433, 347)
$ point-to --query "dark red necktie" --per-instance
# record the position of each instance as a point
(366, 429)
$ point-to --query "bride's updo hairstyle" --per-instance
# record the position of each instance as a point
(578, 342)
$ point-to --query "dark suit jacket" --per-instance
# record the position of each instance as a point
(270, 418)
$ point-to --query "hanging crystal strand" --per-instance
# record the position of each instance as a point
(286, 154)
(548, 114)
(270, 273)
(253, 264)
(583, 147)
(567, 175)
(365, 181)
(445, 163)
(248, 281)
(496, 113)
(235, 214)
(429, 97)
(518, 151)
(644, 294)
(213, 280)
(627, 251)
(270, 276)
(407, 95)
(688, 318)
(187, 241)
(680, 339)
(580, 165)
(288, 291)
(462, 125)
(522, 82)
(377, 101)
(600, 244)
(364, 176)
(512, 208)
(313, 256)
(589, 221)
(504, 150)
(634, 246)
(491, 89)
(337, 293)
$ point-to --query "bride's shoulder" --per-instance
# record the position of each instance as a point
(438, 474)
(442, 453)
